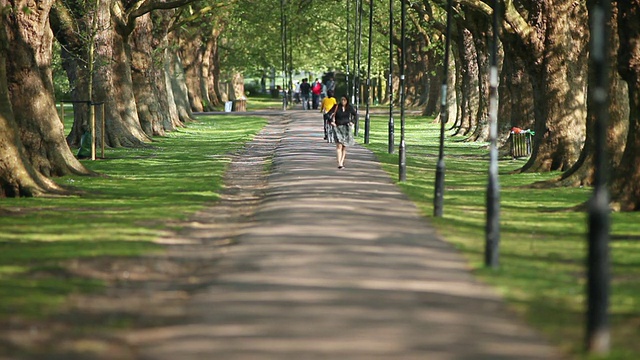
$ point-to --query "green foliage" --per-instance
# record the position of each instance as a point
(119, 215)
(61, 86)
(543, 240)
(317, 31)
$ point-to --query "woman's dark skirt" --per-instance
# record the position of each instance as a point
(343, 134)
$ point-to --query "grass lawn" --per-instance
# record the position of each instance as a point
(145, 192)
(543, 242)
(264, 102)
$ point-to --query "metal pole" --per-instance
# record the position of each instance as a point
(367, 120)
(390, 140)
(356, 71)
(402, 158)
(438, 198)
(283, 43)
(92, 116)
(598, 333)
(103, 130)
(348, 51)
(358, 83)
(492, 226)
(289, 41)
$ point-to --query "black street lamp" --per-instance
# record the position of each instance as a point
(356, 74)
(367, 120)
(598, 334)
(359, 58)
(290, 62)
(348, 29)
(390, 140)
(402, 151)
(283, 38)
(438, 198)
(492, 226)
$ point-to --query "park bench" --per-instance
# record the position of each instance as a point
(521, 141)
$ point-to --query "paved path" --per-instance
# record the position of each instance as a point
(338, 264)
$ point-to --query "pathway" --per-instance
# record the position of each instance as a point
(335, 264)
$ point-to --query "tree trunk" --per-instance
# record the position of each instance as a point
(191, 52)
(162, 21)
(236, 86)
(78, 78)
(457, 66)
(557, 69)
(147, 74)
(582, 172)
(516, 92)
(30, 86)
(179, 87)
(415, 63)
(479, 27)
(67, 30)
(625, 185)
(113, 83)
(435, 80)
(17, 176)
(468, 74)
(207, 68)
(214, 69)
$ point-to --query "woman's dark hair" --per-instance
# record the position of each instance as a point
(345, 97)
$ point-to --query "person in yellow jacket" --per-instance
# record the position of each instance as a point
(328, 103)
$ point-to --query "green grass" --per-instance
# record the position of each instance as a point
(264, 102)
(542, 241)
(145, 193)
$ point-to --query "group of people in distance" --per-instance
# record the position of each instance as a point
(310, 94)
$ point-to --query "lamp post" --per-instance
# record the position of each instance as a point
(283, 38)
(348, 29)
(359, 58)
(356, 70)
(390, 140)
(367, 120)
(492, 226)
(402, 151)
(289, 62)
(598, 334)
(438, 198)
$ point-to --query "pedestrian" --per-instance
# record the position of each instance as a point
(316, 90)
(296, 92)
(326, 108)
(331, 85)
(305, 89)
(342, 126)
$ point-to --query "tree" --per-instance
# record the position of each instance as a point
(582, 172)
(17, 176)
(625, 185)
(30, 89)
(110, 25)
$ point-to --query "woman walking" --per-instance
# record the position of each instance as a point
(343, 129)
